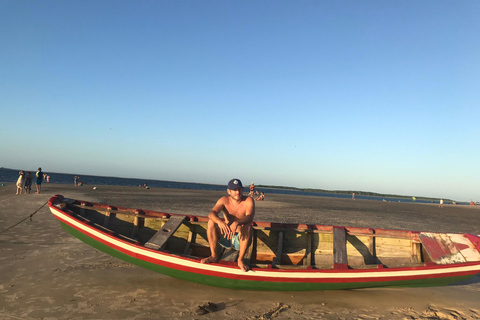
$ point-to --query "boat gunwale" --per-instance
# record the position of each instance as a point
(258, 225)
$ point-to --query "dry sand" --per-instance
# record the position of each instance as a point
(48, 274)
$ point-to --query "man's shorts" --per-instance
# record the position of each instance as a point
(233, 243)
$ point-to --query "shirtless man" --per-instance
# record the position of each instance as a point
(238, 211)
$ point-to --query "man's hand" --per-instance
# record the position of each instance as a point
(225, 229)
(233, 228)
(228, 230)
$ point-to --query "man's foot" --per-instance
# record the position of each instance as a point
(243, 266)
(210, 259)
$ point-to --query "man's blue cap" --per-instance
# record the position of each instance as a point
(234, 184)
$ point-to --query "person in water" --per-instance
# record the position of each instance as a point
(236, 230)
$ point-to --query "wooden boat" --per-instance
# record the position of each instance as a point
(282, 256)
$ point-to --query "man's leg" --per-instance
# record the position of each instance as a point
(245, 236)
(213, 234)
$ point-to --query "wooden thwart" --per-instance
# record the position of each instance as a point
(160, 238)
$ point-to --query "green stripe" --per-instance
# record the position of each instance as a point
(256, 285)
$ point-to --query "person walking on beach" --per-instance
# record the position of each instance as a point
(20, 182)
(39, 176)
(28, 183)
(236, 230)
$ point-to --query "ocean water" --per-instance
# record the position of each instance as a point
(10, 176)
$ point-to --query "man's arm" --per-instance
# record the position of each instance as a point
(249, 212)
(213, 215)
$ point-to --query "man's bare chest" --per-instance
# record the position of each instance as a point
(235, 210)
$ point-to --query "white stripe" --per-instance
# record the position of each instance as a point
(258, 273)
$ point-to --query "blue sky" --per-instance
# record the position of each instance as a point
(378, 96)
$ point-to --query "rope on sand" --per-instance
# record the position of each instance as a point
(29, 216)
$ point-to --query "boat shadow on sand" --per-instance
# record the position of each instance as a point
(473, 280)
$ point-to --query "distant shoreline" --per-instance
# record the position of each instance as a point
(312, 190)
(357, 193)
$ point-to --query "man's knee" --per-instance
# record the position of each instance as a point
(213, 230)
(212, 225)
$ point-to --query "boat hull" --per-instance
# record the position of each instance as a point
(229, 275)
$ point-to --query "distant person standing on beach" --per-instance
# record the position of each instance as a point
(353, 196)
(28, 183)
(441, 203)
(20, 182)
(236, 229)
(75, 180)
(39, 176)
(252, 190)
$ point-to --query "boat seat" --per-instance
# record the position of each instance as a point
(159, 239)
(229, 255)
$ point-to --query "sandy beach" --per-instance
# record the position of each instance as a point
(48, 274)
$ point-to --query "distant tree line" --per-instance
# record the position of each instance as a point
(357, 193)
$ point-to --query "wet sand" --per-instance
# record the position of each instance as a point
(48, 274)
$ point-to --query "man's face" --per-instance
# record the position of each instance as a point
(236, 193)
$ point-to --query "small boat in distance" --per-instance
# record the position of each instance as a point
(282, 256)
